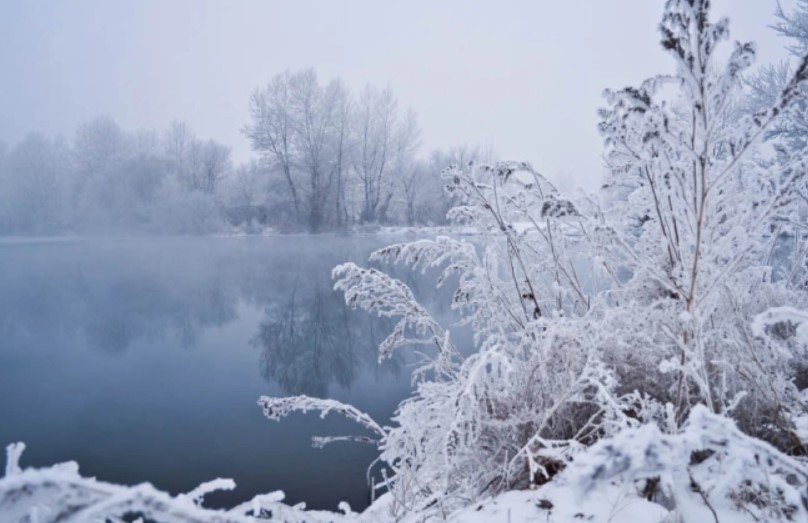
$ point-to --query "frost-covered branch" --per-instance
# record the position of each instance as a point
(620, 315)
(375, 291)
(277, 408)
(59, 494)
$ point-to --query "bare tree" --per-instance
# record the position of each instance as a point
(198, 165)
(33, 186)
(412, 179)
(342, 143)
(300, 127)
(209, 163)
(98, 144)
(318, 135)
(408, 171)
(380, 139)
(272, 129)
(177, 142)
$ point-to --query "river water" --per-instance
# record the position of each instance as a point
(142, 360)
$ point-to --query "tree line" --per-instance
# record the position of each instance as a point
(326, 159)
(107, 180)
(335, 159)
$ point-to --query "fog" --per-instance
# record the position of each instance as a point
(521, 78)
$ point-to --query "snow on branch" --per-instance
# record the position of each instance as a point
(198, 494)
(375, 291)
(626, 313)
(59, 494)
(277, 408)
(13, 454)
(319, 442)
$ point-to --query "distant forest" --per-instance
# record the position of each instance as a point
(326, 159)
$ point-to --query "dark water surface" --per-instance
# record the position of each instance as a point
(142, 359)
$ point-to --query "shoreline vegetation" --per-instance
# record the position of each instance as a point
(664, 382)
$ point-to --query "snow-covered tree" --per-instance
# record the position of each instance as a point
(300, 127)
(384, 143)
(338, 156)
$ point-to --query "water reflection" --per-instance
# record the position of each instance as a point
(311, 339)
(143, 360)
(109, 298)
(106, 298)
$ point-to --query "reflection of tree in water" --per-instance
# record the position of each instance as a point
(136, 309)
(110, 296)
(312, 339)
(309, 338)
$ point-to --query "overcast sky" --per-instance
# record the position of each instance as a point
(523, 76)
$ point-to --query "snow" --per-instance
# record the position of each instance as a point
(41, 492)
(60, 494)
(557, 504)
(784, 314)
(603, 484)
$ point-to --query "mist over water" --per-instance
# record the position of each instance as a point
(142, 359)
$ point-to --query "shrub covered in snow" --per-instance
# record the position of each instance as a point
(613, 316)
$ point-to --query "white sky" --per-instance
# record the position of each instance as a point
(523, 76)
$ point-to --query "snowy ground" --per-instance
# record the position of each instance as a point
(559, 505)
(59, 493)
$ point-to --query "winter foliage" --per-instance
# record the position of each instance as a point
(328, 160)
(673, 296)
(108, 181)
(59, 493)
(336, 159)
(651, 339)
